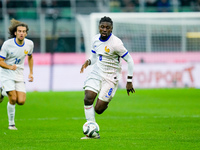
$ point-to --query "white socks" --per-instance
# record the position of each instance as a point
(89, 113)
(11, 113)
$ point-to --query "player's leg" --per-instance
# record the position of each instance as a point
(105, 95)
(9, 90)
(91, 86)
(9, 87)
(21, 92)
(101, 106)
(88, 104)
(21, 98)
(12, 97)
(18, 95)
(89, 98)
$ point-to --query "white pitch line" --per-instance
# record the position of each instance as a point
(112, 117)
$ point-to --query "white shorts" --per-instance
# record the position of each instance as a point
(11, 85)
(105, 88)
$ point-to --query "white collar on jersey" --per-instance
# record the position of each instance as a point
(18, 44)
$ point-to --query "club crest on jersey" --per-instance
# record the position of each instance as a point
(107, 49)
(25, 52)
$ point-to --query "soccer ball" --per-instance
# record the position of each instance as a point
(91, 129)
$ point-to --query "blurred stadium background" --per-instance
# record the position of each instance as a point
(163, 37)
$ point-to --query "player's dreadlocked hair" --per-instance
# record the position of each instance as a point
(14, 25)
(106, 19)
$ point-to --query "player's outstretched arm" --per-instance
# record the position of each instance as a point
(84, 66)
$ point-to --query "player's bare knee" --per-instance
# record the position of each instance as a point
(99, 111)
(89, 99)
(20, 102)
(12, 99)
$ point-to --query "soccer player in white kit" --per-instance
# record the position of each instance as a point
(12, 56)
(107, 50)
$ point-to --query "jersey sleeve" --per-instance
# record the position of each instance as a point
(3, 51)
(130, 63)
(93, 46)
(93, 52)
(120, 49)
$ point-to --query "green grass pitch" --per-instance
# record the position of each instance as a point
(150, 119)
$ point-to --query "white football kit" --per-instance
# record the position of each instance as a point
(14, 54)
(106, 71)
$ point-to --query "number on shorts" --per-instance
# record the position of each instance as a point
(100, 57)
(110, 91)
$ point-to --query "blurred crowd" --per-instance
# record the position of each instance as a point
(122, 5)
(160, 5)
(33, 3)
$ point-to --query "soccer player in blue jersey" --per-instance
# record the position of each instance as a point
(12, 56)
(107, 50)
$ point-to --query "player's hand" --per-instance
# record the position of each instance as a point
(129, 88)
(84, 66)
(13, 67)
(30, 77)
